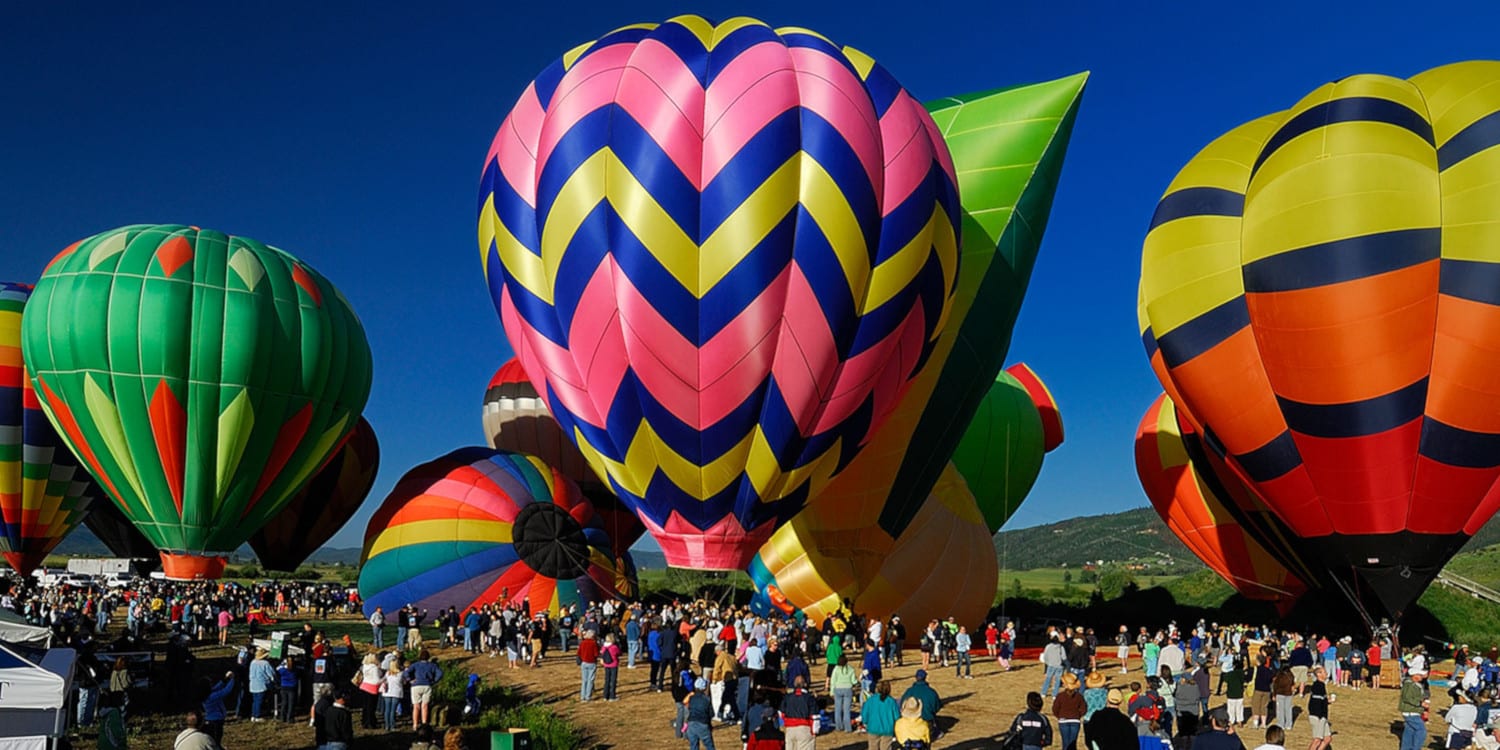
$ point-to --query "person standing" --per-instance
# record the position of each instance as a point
(422, 676)
(1413, 706)
(1233, 680)
(286, 679)
(841, 684)
(588, 665)
(111, 724)
(1122, 649)
(1031, 725)
(609, 660)
(1317, 710)
(878, 713)
(1069, 708)
(377, 628)
(392, 690)
(963, 662)
(1053, 660)
(213, 706)
(401, 626)
(1283, 685)
(632, 641)
(698, 728)
(337, 722)
(1108, 729)
(797, 711)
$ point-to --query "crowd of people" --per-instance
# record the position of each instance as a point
(782, 681)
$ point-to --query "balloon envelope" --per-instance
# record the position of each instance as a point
(44, 491)
(117, 533)
(479, 526)
(1316, 293)
(323, 506)
(721, 252)
(202, 378)
(1000, 454)
(516, 420)
(1196, 506)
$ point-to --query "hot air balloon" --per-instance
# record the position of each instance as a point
(1045, 402)
(1317, 295)
(517, 420)
(202, 378)
(1196, 505)
(720, 252)
(117, 533)
(1007, 146)
(1000, 454)
(323, 506)
(942, 565)
(475, 524)
(44, 492)
(811, 567)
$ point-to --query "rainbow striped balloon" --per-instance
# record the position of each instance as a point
(480, 526)
(44, 491)
(720, 251)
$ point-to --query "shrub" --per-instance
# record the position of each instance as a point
(548, 730)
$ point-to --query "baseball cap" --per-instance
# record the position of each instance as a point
(700, 684)
(921, 674)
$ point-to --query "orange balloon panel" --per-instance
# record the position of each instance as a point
(1198, 515)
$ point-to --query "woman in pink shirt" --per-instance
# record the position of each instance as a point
(225, 618)
(609, 659)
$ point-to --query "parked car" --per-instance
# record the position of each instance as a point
(118, 580)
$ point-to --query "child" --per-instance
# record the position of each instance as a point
(471, 698)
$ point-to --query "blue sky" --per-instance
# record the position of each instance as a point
(352, 135)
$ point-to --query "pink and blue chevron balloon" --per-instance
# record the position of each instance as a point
(721, 252)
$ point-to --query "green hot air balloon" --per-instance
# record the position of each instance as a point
(1000, 454)
(202, 378)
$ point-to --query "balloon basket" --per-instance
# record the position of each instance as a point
(184, 567)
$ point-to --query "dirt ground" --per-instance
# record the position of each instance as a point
(975, 711)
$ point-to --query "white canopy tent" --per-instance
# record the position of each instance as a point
(34, 697)
(14, 629)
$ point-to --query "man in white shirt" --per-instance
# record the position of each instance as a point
(1275, 739)
(876, 629)
(1171, 656)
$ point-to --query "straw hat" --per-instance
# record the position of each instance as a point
(1094, 680)
(911, 708)
(1114, 697)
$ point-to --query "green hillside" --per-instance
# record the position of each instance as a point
(1137, 534)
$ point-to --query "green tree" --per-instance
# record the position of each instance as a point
(1114, 581)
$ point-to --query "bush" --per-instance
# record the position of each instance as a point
(548, 730)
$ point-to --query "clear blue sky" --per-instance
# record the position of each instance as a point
(352, 135)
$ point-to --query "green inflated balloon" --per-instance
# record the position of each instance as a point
(202, 378)
(1000, 454)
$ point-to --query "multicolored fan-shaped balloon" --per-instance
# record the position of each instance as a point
(479, 526)
(1196, 504)
(721, 252)
(202, 378)
(321, 508)
(1318, 294)
(516, 420)
(44, 491)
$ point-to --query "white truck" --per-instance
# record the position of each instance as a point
(99, 566)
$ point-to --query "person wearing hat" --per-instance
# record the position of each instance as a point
(1107, 728)
(1094, 694)
(700, 713)
(924, 694)
(911, 727)
(1218, 736)
(1413, 706)
(262, 678)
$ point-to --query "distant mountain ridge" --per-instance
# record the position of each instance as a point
(1132, 534)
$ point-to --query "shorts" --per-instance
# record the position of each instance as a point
(1372, 670)
(1259, 702)
(1122, 652)
(1299, 675)
(1320, 728)
(421, 695)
